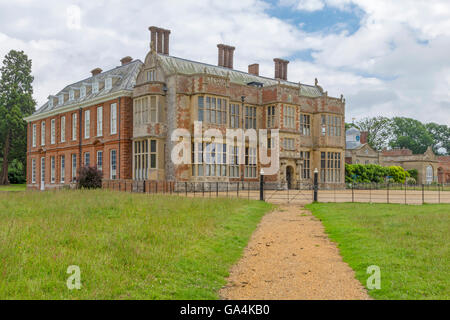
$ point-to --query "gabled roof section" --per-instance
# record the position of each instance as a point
(174, 65)
(126, 79)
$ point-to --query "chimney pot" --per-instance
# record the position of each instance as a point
(160, 39)
(280, 68)
(96, 71)
(226, 56)
(126, 60)
(254, 69)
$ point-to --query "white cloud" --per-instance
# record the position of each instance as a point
(396, 63)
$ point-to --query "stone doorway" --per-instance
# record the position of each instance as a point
(290, 177)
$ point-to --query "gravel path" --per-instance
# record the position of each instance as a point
(289, 257)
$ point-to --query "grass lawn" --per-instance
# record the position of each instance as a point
(14, 187)
(128, 246)
(410, 244)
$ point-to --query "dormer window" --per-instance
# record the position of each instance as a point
(95, 87)
(61, 99)
(108, 83)
(71, 95)
(50, 103)
(83, 92)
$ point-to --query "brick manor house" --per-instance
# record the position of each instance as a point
(121, 121)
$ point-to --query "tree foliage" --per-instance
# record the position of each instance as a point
(16, 102)
(379, 131)
(410, 134)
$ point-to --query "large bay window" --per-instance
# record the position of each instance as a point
(289, 117)
(146, 110)
(305, 124)
(330, 167)
(250, 117)
(144, 158)
(306, 156)
(250, 162)
(212, 110)
(270, 116)
(234, 115)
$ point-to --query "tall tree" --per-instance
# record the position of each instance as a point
(16, 102)
(379, 131)
(410, 134)
(441, 136)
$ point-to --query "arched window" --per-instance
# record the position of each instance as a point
(429, 174)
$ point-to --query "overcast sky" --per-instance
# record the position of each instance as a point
(386, 57)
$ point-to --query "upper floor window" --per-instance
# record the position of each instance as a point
(289, 144)
(99, 121)
(43, 133)
(33, 143)
(289, 117)
(53, 131)
(71, 95)
(250, 117)
(87, 124)
(146, 110)
(305, 124)
(74, 126)
(151, 75)
(61, 99)
(212, 110)
(331, 125)
(108, 83)
(323, 125)
(63, 129)
(235, 119)
(113, 114)
(270, 116)
(50, 103)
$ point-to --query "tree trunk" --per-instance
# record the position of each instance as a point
(4, 173)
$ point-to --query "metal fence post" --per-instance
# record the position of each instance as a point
(261, 186)
(388, 192)
(423, 193)
(217, 189)
(353, 192)
(237, 190)
(316, 185)
(439, 194)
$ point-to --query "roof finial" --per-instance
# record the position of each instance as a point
(316, 82)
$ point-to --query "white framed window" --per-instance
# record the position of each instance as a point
(100, 160)
(87, 124)
(33, 170)
(52, 131)
(43, 133)
(83, 92)
(250, 162)
(330, 167)
(113, 165)
(151, 75)
(74, 167)
(108, 83)
(306, 156)
(429, 174)
(74, 126)
(305, 124)
(95, 87)
(270, 116)
(61, 99)
(63, 169)
(99, 121)
(52, 169)
(33, 140)
(63, 129)
(146, 110)
(42, 170)
(289, 117)
(87, 159)
(289, 144)
(71, 95)
(50, 103)
(113, 111)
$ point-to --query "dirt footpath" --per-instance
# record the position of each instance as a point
(290, 257)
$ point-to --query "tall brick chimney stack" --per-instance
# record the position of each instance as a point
(96, 71)
(254, 69)
(126, 60)
(280, 68)
(226, 56)
(160, 39)
(364, 137)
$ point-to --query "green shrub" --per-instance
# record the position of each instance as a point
(373, 173)
(414, 173)
(16, 172)
(89, 178)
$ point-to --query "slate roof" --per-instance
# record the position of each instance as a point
(182, 66)
(126, 76)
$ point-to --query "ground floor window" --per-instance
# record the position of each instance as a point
(209, 160)
(63, 169)
(33, 170)
(234, 171)
(52, 169)
(100, 160)
(250, 162)
(306, 171)
(87, 159)
(42, 170)
(330, 167)
(144, 158)
(113, 165)
(74, 167)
